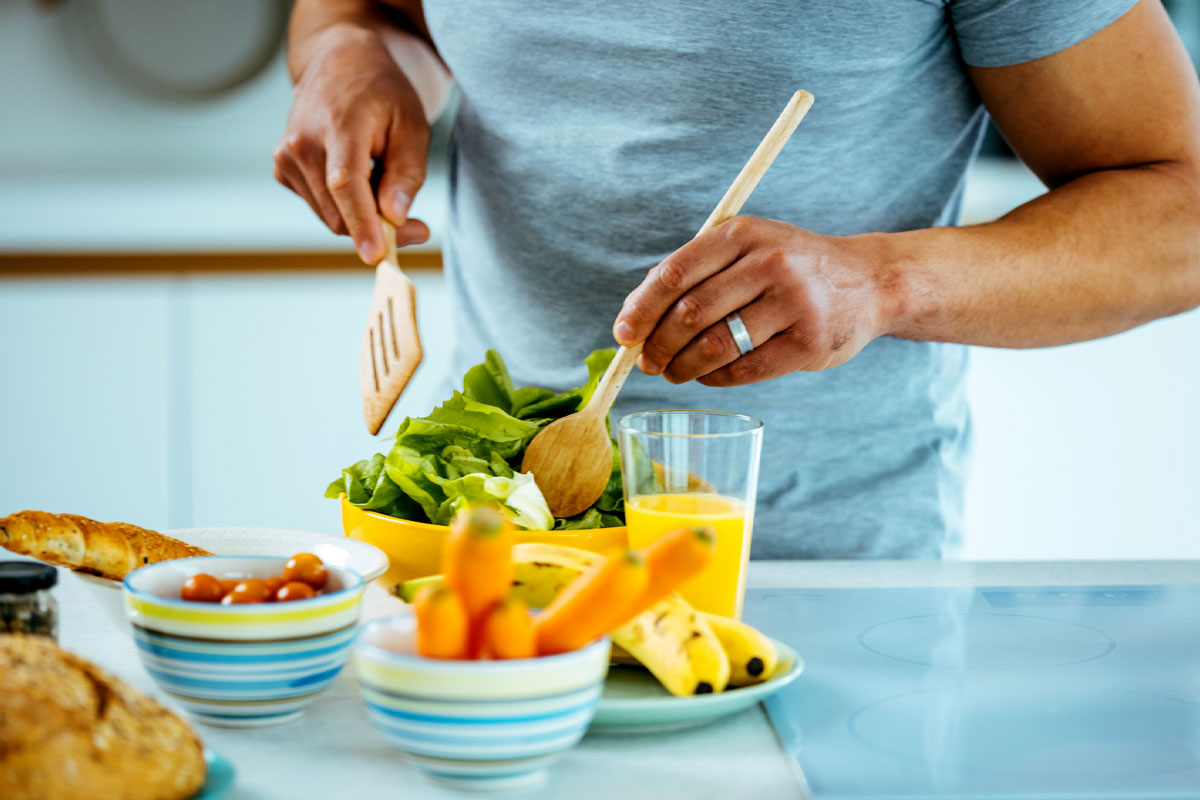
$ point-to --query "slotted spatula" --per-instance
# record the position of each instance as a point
(571, 459)
(391, 346)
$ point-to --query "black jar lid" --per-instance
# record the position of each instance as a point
(21, 577)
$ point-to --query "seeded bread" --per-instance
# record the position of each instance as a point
(68, 729)
(108, 549)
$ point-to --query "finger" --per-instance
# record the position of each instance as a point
(777, 356)
(403, 170)
(348, 179)
(702, 307)
(715, 347)
(313, 170)
(413, 231)
(290, 174)
(701, 258)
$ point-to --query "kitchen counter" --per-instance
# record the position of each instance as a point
(333, 747)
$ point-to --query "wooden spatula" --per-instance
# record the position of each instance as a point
(391, 346)
(571, 459)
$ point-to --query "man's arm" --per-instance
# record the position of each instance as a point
(1112, 125)
(368, 81)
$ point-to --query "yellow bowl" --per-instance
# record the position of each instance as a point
(414, 549)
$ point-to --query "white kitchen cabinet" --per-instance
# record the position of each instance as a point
(87, 408)
(1090, 450)
(276, 411)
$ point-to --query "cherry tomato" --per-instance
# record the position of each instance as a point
(227, 585)
(202, 588)
(253, 590)
(306, 568)
(275, 584)
(295, 590)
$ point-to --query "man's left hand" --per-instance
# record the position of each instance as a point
(809, 302)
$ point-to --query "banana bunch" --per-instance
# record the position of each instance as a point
(688, 651)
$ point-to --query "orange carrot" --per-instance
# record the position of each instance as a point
(477, 564)
(441, 623)
(592, 604)
(674, 559)
(508, 631)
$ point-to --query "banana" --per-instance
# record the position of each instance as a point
(676, 644)
(407, 591)
(752, 655)
(619, 655)
(540, 572)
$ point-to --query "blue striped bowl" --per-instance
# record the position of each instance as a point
(480, 725)
(243, 665)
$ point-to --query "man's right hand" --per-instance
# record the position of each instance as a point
(354, 107)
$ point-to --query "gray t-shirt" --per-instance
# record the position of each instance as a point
(593, 139)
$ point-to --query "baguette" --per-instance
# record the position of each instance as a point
(108, 549)
(69, 729)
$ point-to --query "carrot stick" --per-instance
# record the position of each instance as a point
(672, 560)
(441, 623)
(592, 605)
(508, 631)
(477, 564)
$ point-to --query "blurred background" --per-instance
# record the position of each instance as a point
(179, 336)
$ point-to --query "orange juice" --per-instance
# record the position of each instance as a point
(720, 587)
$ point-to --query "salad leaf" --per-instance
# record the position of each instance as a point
(490, 383)
(368, 486)
(519, 494)
(469, 450)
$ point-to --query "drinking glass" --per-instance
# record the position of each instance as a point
(685, 467)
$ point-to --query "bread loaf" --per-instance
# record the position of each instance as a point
(68, 729)
(108, 549)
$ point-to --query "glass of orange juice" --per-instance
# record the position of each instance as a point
(691, 468)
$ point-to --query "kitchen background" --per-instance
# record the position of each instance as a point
(179, 336)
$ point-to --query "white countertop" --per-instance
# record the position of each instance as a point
(333, 746)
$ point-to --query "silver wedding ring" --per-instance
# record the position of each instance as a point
(741, 336)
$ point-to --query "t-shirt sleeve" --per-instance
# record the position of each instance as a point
(997, 33)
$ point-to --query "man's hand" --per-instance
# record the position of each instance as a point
(354, 105)
(1111, 125)
(808, 301)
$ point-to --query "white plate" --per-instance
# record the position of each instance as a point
(340, 551)
(635, 702)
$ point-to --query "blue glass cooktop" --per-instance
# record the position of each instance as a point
(996, 693)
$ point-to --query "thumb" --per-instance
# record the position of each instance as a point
(403, 170)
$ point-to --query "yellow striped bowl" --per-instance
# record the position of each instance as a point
(240, 665)
(481, 725)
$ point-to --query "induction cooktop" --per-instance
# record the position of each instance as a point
(984, 693)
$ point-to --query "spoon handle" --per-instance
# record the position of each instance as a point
(735, 197)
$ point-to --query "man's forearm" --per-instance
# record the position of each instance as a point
(316, 23)
(1101, 254)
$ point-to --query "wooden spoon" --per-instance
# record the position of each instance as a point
(571, 459)
(391, 346)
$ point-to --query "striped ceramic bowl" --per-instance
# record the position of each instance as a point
(480, 725)
(242, 665)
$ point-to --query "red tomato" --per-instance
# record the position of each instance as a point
(295, 590)
(227, 585)
(253, 590)
(306, 568)
(275, 584)
(202, 588)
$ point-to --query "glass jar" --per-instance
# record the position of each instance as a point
(26, 604)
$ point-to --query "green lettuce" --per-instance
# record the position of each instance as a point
(469, 450)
